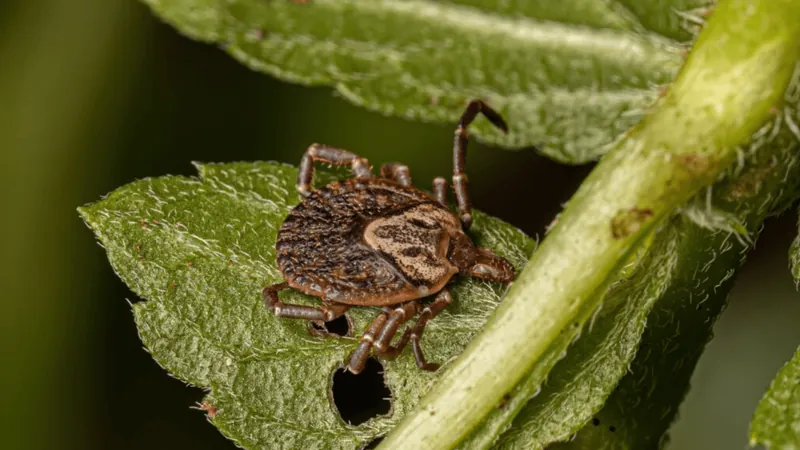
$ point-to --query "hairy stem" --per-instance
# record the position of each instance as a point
(737, 72)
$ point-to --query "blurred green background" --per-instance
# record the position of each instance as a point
(97, 93)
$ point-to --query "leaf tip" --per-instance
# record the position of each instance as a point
(200, 167)
(85, 213)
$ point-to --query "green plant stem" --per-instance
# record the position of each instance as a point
(737, 72)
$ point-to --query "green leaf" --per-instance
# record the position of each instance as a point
(586, 373)
(692, 137)
(710, 237)
(570, 76)
(794, 259)
(776, 424)
(200, 250)
(709, 250)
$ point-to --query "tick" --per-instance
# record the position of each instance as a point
(378, 241)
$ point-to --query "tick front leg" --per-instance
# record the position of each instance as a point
(441, 302)
(397, 172)
(491, 267)
(325, 313)
(460, 155)
(330, 155)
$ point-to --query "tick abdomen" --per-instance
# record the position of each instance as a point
(367, 242)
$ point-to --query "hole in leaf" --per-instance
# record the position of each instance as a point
(361, 397)
(373, 443)
(340, 326)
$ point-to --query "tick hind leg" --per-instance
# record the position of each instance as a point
(397, 172)
(358, 359)
(324, 313)
(383, 328)
(330, 155)
(440, 190)
(460, 155)
(379, 334)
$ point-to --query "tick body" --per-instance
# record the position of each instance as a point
(378, 241)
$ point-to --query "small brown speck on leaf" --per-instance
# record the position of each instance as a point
(211, 410)
(551, 225)
(629, 221)
(504, 402)
(695, 163)
(748, 184)
(190, 264)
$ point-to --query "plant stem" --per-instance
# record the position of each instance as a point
(737, 72)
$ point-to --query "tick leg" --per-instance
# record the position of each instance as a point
(330, 155)
(397, 317)
(358, 359)
(440, 190)
(491, 267)
(397, 172)
(324, 313)
(429, 312)
(393, 351)
(460, 155)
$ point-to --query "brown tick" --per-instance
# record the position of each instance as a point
(378, 241)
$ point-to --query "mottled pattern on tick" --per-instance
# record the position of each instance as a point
(367, 241)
